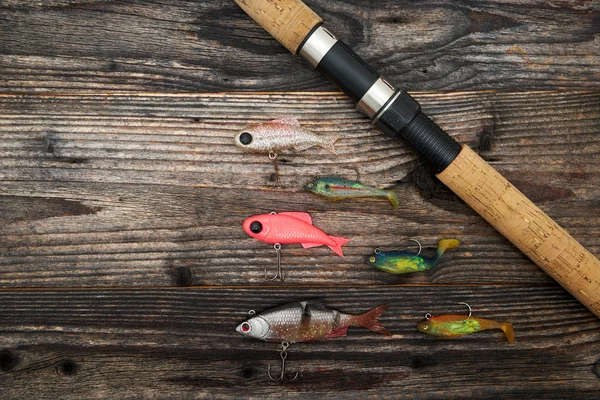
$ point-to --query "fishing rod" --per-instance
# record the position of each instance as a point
(398, 115)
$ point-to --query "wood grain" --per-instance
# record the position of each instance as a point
(173, 46)
(123, 268)
(149, 190)
(182, 344)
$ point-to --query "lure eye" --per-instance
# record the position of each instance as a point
(425, 326)
(256, 227)
(372, 259)
(245, 138)
(327, 186)
(246, 327)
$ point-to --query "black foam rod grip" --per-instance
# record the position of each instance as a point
(403, 117)
(348, 71)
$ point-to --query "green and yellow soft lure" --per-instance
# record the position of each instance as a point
(402, 262)
(450, 326)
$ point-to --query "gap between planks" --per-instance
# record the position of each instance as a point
(278, 287)
(437, 93)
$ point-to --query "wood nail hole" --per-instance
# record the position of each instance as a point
(67, 368)
(183, 276)
(8, 361)
(249, 372)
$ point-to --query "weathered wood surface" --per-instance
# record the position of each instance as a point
(144, 343)
(150, 190)
(170, 45)
(115, 190)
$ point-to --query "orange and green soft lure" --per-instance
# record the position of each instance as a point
(450, 326)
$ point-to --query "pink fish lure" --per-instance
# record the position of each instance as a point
(291, 228)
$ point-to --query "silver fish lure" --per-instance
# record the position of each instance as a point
(308, 320)
(281, 134)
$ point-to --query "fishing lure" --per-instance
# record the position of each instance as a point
(281, 134)
(290, 228)
(450, 326)
(335, 188)
(305, 321)
(402, 262)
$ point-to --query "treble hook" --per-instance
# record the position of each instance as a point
(279, 273)
(470, 311)
(282, 377)
(273, 156)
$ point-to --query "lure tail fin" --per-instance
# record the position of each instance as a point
(329, 142)
(445, 244)
(370, 320)
(508, 331)
(393, 198)
(339, 242)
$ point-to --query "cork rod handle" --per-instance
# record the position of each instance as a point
(525, 225)
(288, 21)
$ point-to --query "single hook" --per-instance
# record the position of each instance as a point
(355, 169)
(273, 156)
(282, 377)
(419, 243)
(279, 273)
(470, 311)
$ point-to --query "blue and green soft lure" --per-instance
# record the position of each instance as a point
(335, 188)
(402, 262)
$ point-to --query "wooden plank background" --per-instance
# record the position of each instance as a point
(123, 266)
(199, 46)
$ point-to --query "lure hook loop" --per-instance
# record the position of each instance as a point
(279, 273)
(282, 377)
(470, 310)
(419, 243)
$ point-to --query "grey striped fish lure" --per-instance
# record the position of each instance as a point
(305, 321)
